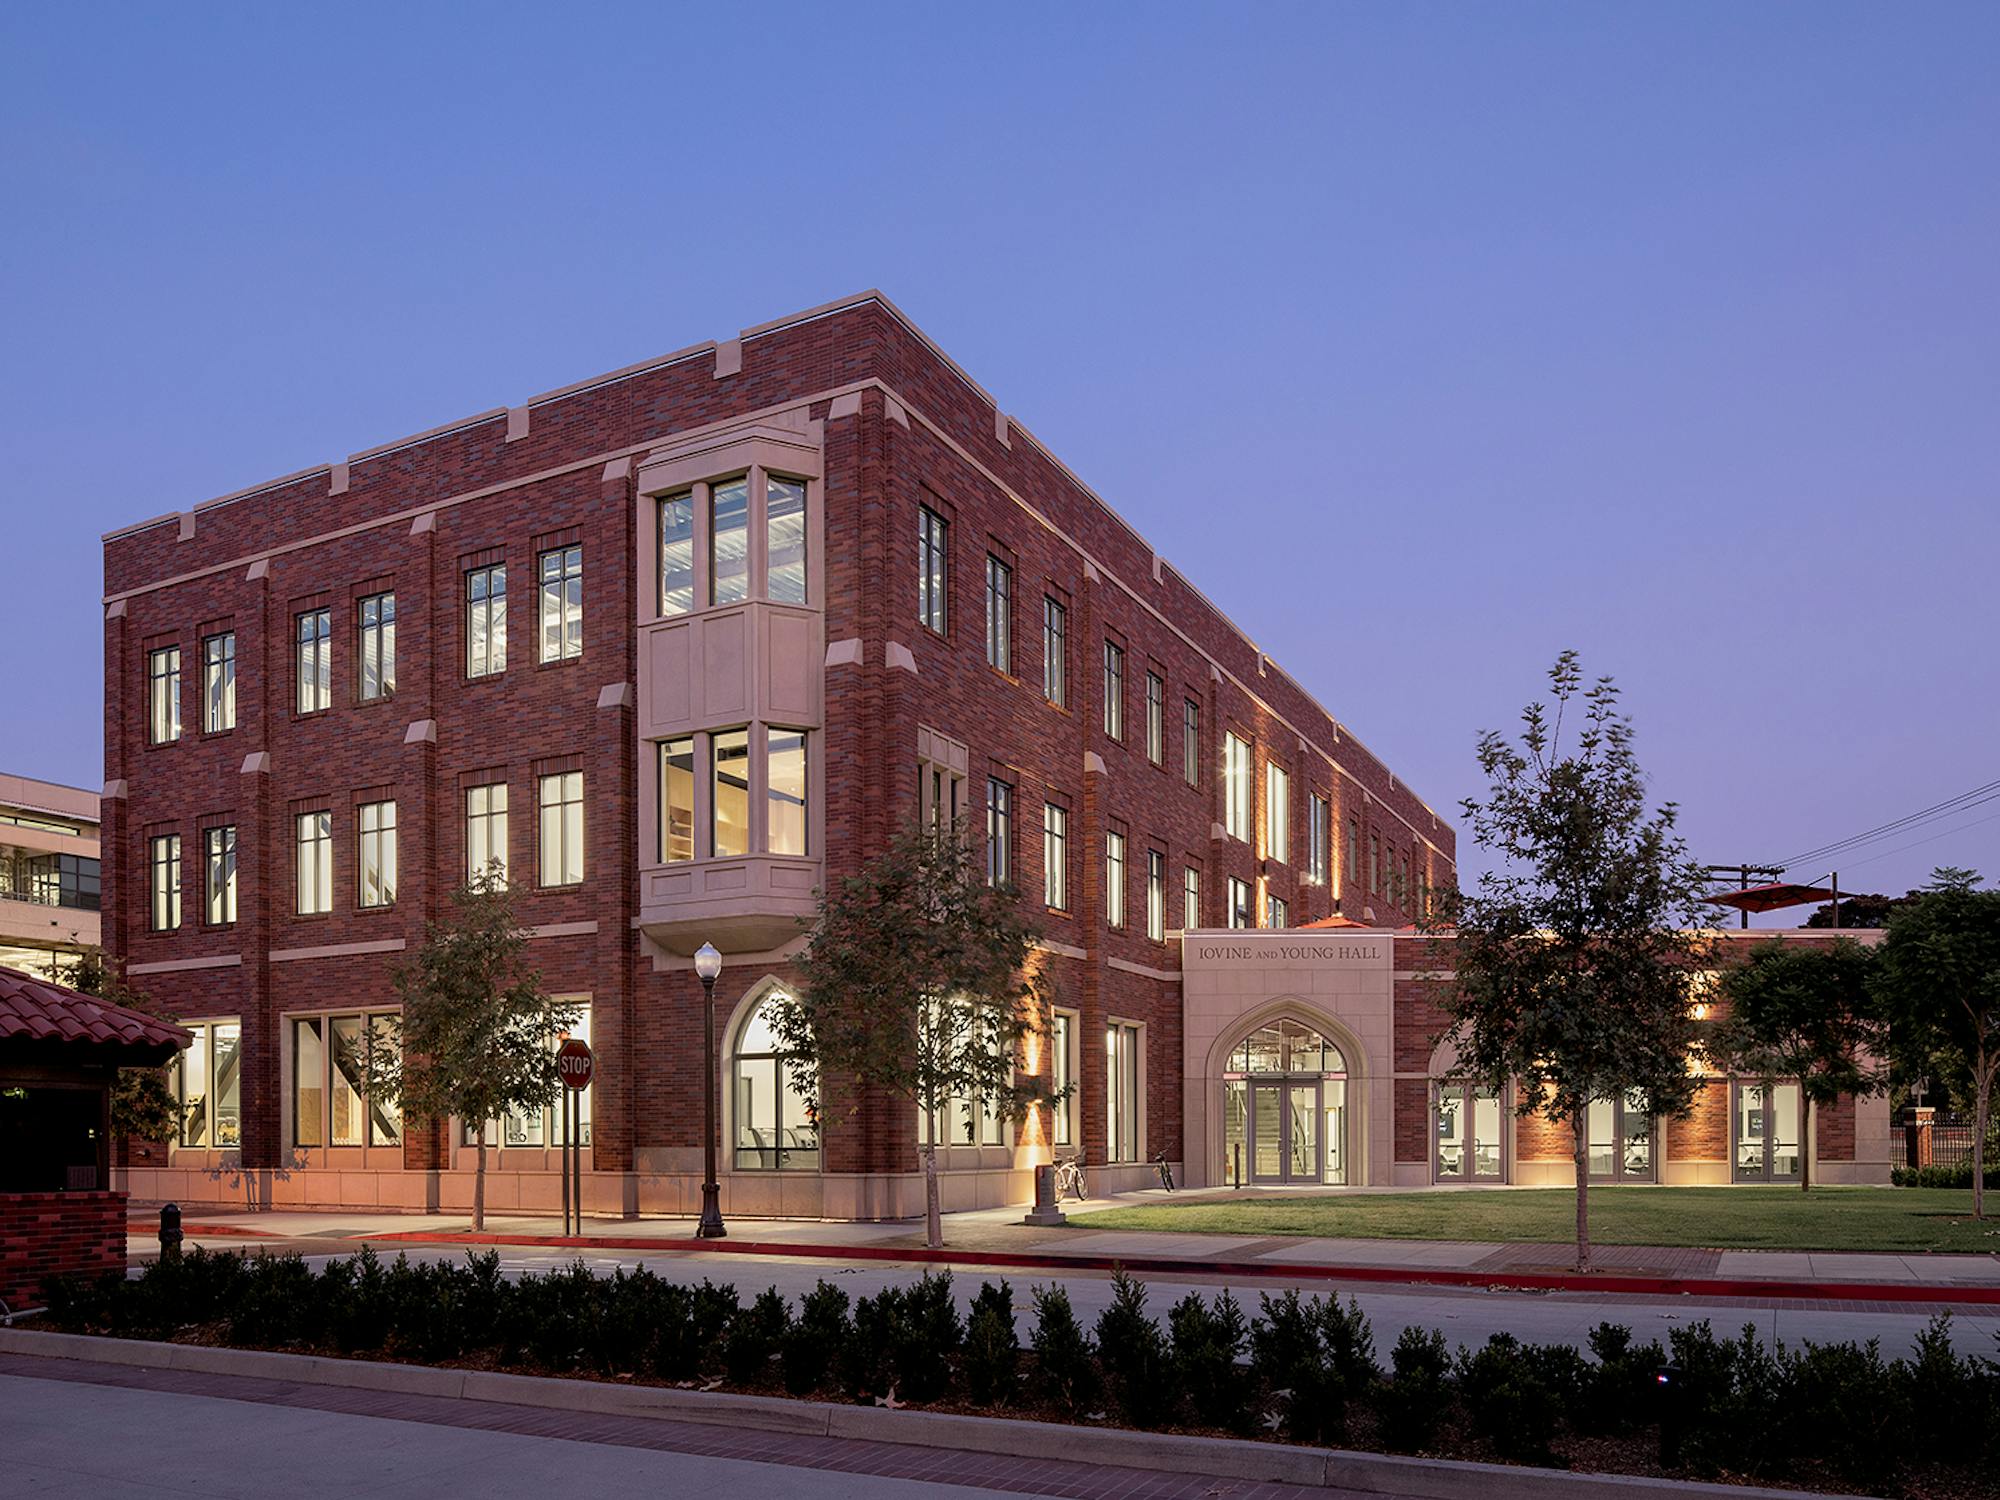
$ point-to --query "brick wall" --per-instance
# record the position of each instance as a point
(49, 1234)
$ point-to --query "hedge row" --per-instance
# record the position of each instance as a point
(1958, 1176)
(1837, 1411)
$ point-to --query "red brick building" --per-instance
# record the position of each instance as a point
(678, 644)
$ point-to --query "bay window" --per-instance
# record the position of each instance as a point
(729, 542)
(729, 794)
(677, 800)
(784, 540)
(717, 781)
(676, 554)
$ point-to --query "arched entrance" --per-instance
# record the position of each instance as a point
(1284, 1108)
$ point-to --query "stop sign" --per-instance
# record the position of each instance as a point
(574, 1064)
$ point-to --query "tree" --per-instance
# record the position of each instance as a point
(1859, 911)
(918, 981)
(1805, 1015)
(1575, 959)
(1937, 981)
(476, 1037)
(143, 1108)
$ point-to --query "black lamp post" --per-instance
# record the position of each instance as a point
(708, 967)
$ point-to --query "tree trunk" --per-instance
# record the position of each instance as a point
(1580, 1129)
(933, 1224)
(1979, 1136)
(479, 1183)
(1805, 1139)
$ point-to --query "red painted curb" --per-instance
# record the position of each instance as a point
(1657, 1286)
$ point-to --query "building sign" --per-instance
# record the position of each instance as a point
(1217, 951)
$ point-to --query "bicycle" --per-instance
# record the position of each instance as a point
(1069, 1179)
(1166, 1171)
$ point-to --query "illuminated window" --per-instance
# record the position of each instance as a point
(165, 862)
(375, 850)
(729, 793)
(377, 662)
(1239, 792)
(330, 1101)
(486, 833)
(218, 682)
(1114, 690)
(1277, 813)
(561, 573)
(207, 1082)
(932, 548)
(1114, 879)
(314, 863)
(486, 621)
(1156, 895)
(774, 1128)
(1062, 1074)
(562, 828)
(784, 540)
(999, 615)
(218, 879)
(1190, 898)
(677, 801)
(1156, 718)
(315, 661)
(1240, 911)
(1277, 912)
(729, 542)
(1055, 646)
(1125, 1075)
(999, 832)
(676, 554)
(1055, 856)
(1319, 822)
(163, 695)
(785, 790)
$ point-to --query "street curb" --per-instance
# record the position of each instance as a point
(1239, 1270)
(1222, 1458)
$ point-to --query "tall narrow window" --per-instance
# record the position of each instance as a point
(562, 828)
(1156, 719)
(1055, 856)
(377, 656)
(676, 554)
(1055, 648)
(785, 790)
(315, 660)
(729, 794)
(1114, 879)
(486, 833)
(1351, 870)
(999, 832)
(1239, 793)
(999, 615)
(163, 695)
(677, 801)
(932, 551)
(1190, 898)
(1277, 912)
(166, 878)
(1240, 912)
(1319, 823)
(218, 882)
(1277, 813)
(1121, 1096)
(562, 603)
(486, 620)
(1062, 1073)
(314, 861)
(729, 542)
(1114, 690)
(218, 682)
(1156, 895)
(1191, 742)
(376, 853)
(1375, 863)
(784, 540)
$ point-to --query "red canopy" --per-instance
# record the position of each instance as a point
(1773, 897)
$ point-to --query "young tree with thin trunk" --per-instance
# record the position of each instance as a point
(477, 1037)
(143, 1108)
(918, 980)
(1937, 980)
(1574, 959)
(1804, 1015)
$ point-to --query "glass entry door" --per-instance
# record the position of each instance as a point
(1621, 1140)
(1766, 1125)
(1285, 1124)
(1284, 1109)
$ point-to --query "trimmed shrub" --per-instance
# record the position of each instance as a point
(992, 1347)
(1313, 1356)
(1208, 1340)
(1413, 1401)
(1619, 1391)
(810, 1344)
(1064, 1356)
(1511, 1403)
(751, 1341)
(1133, 1352)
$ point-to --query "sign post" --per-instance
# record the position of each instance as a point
(574, 1065)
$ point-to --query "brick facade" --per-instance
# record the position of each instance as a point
(51, 1234)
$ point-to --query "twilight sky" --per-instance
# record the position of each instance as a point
(1427, 339)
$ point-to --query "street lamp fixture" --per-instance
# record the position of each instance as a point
(707, 968)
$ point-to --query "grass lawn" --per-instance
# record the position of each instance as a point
(1731, 1218)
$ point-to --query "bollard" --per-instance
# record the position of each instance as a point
(1047, 1211)
(170, 1231)
(1673, 1414)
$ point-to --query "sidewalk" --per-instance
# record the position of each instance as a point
(997, 1238)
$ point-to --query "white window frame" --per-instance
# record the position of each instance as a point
(375, 854)
(312, 661)
(312, 858)
(218, 874)
(375, 660)
(1277, 812)
(933, 570)
(490, 820)
(1114, 879)
(1125, 1091)
(555, 815)
(486, 605)
(163, 695)
(163, 865)
(1055, 856)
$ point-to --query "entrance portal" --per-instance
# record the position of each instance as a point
(1284, 1108)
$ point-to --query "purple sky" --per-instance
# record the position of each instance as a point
(1427, 340)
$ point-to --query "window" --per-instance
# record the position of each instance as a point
(1403, 883)
(71, 880)
(1468, 1133)
(932, 537)
(774, 1128)
(1375, 863)
(1156, 719)
(1062, 1074)
(677, 801)
(1277, 813)
(1114, 879)
(784, 540)
(729, 793)
(378, 646)
(1191, 742)
(1055, 645)
(1156, 895)
(486, 620)
(940, 794)
(785, 790)
(1277, 912)
(165, 863)
(1239, 794)
(999, 832)
(676, 554)
(1122, 1100)
(1190, 898)
(999, 615)
(1620, 1139)
(1239, 912)
(562, 603)
(1352, 869)
(218, 877)
(376, 847)
(330, 1103)
(535, 1129)
(562, 828)
(486, 832)
(315, 863)
(1766, 1127)
(208, 1084)
(729, 542)
(1114, 690)
(315, 661)
(1055, 856)
(163, 695)
(1319, 824)
(218, 683)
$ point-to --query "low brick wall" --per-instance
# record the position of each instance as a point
(44, 1234)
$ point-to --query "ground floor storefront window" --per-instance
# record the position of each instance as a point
(330, 1103)
(774, 1129)
(1469, 1120)
(1284, 1108)
(1621, 1139)
(1766, 1130)
(535, 1129)
(208, 1081)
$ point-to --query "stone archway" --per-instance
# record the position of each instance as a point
(1287, 1092)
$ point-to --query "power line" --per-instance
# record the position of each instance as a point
(1963, 802)
(1918, 843)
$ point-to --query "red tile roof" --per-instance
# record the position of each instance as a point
(34, 1010)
